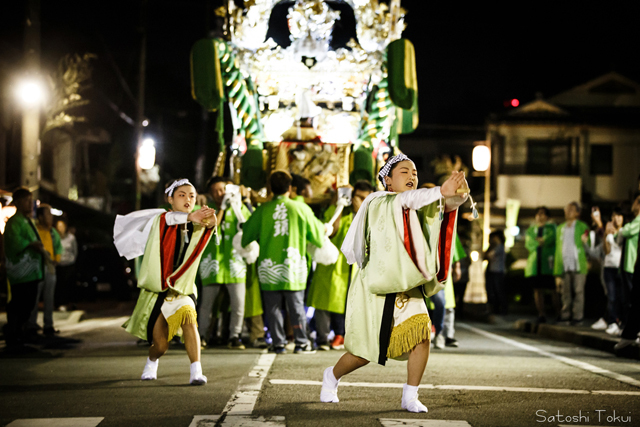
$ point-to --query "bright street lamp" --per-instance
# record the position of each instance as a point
(476, 292)
(481, 158)
(147, 154)
(30, 92)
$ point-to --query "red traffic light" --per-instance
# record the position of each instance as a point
(514, 102)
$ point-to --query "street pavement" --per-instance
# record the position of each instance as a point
(499, 376)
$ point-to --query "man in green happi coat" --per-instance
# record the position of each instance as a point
(540, 241)
(222, 265)
(628, 238)
(283, 228)
(25, 267)
(570, 263)
(328, 290)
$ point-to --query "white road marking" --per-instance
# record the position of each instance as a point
(244, 399)
(56, 422)
(572, 362)
(464, 387)
(396, 422)
(237, 421)
(88, 325)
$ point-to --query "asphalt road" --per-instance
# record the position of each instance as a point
(497, 377)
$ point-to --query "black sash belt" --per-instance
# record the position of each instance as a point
(386, 326)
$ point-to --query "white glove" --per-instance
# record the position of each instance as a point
(225, 202)
(342, 201)
(328, 229)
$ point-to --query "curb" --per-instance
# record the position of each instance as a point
(75, 316)
(582, 336)
(59, 317)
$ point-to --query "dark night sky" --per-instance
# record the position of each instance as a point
(470, 57)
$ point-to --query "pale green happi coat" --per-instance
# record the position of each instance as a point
(387, 261)
(150, 278)
(222, 263)
(283, 227)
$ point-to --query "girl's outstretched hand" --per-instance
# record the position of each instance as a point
(205, 216)
(451, 185)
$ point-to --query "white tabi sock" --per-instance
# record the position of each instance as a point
(196, 374)
(410, 400)
(150, 371)
(329, 392)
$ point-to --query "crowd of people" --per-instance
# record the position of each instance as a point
(216, 265)
(559, 257)
(302, 301)
(40, 264)
(276, 269)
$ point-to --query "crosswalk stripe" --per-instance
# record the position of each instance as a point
(56, 422)
(464, 387)
(237, 421)
(397, 422)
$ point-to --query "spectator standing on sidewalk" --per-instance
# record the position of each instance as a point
(632, 328)
(496, 271)
(628, 239)
(25, 267)
(540, 241)
(570, 264)
(609, 253)
(66, 268)
(53, 249)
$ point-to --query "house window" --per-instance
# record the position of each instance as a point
(550, 157)
(601, 162)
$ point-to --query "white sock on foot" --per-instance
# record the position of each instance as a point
(150, 371)
(410, 400)
(196, 374)
(329, 392)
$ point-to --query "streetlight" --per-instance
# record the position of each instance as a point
(481, 159)
(31, 94)
(476, 292)
(147, 154)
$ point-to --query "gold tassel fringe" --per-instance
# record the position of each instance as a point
(408, 334)
(185, 314)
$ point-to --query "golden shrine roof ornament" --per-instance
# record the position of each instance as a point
(336, 80)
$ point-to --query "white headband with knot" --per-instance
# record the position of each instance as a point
(387, 167)
(176, 184)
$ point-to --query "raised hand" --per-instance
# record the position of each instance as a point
(451, 185)
(205, 215)
(610, 228)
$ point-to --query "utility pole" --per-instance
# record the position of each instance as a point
(141, 84)
(30, 161)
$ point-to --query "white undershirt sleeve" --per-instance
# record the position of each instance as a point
(416, 199)
(130, 232)
(175, 218)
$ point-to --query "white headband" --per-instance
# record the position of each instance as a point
(387, 167)
(176, 184)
